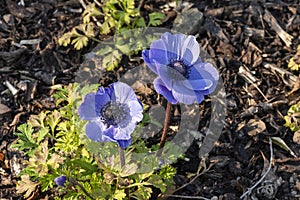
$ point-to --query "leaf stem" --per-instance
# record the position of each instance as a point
(74, 182)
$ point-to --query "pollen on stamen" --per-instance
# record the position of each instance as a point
(179, 67)
(115, 114)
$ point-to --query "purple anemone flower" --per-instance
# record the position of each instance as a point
(61, 180)
(182, 76)
(113, 113)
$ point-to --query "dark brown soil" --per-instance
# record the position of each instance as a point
(234, 33)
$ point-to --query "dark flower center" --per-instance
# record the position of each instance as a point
(116, 114)
(178, 69)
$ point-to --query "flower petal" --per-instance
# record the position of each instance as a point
(102, 97)
(123, 93)
(169, 75)
(174, 45)
(186, 95)
(161, 89)
(158, 52)
(124, 133)
(180, 87)
(95, 131)
(136, 111)
(61, 180)
(199, 97)
(200, 84)
(148, 61)
(184, 98)
(210, 71)
(87, 110)
(191, 50)
(124, 143)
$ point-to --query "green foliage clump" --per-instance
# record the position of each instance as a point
(119, 17)
(292, 119)
(56, 144)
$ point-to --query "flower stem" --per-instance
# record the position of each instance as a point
(166, 126)
(122, 156)
(122, 161)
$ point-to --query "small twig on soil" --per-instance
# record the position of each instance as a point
(247, 76)
(249, 190)
(269, 18)
(98, 3)
(16, 119)
(82, 3)
(288, 78)
(140, 4)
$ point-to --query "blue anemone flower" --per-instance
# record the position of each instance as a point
(113, 113)
(182, 76)
(61, 180)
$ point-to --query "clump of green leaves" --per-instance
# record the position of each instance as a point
(292, 119)
(56, 144)
(294, 63)
(117, 16)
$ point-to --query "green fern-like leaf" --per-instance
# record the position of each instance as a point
(111, 61)
(53, 120)
(119, 195)
(157, 182)
(67, 138)
(139, 22)
(25, 140)
(38, 121)
(80, 42)
(90, 11)
(167, 173)
(65, 40)
(294, 63)
(155, 18)
(105, 27)
(142, 193)
(292, 119)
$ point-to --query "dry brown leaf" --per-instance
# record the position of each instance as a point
(26, 185)
(297, 185)
(255, 126)
(281, 143)
(4, 109)
(289, 168)
(270, 19)
(141, 88)
(296, 137)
